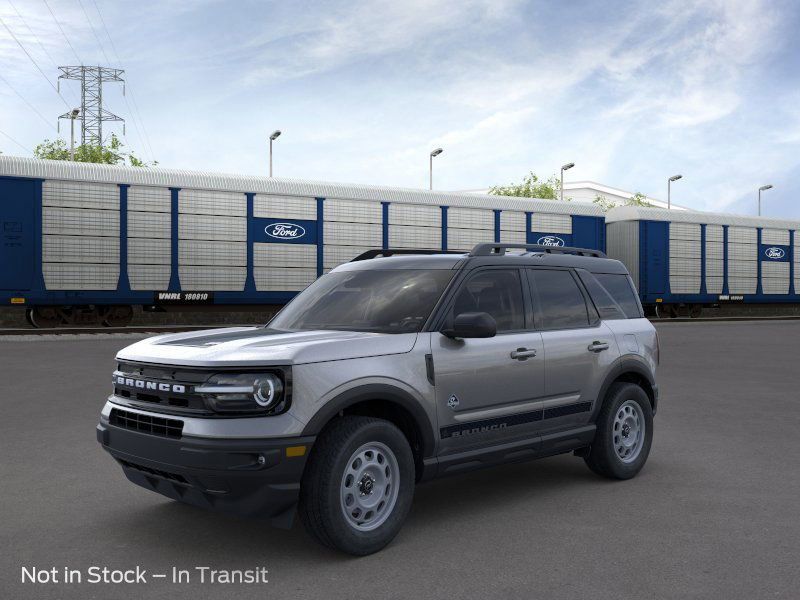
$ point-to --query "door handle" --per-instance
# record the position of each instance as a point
(598, 346)
(522, 354)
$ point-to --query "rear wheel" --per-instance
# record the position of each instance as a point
(624, 433)
(358, 485)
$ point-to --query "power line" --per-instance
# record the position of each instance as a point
(97, 37)
(38, 41)
(16, 142)
(35, 64)
(66, 39)
(137, 116)
(31, 106)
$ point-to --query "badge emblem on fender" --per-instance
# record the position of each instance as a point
(452, 401)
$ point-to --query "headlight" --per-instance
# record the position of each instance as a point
(245, 392)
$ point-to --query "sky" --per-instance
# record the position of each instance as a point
(632, 92)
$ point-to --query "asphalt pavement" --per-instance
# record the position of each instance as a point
(714, 514)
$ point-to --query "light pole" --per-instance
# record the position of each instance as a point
(762, 189)
(272, 138)
(72, 116)
(436, 152)
(565, 167)
(669, 189)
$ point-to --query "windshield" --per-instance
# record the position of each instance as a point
(392, 301)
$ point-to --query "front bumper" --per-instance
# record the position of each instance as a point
(246, 477)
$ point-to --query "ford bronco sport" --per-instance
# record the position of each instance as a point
(394, 368)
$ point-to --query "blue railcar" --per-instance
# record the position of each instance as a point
(89, 242)
(682, 261)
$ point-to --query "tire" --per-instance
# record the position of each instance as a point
(324, 489)
(610, 455)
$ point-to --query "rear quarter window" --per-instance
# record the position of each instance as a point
(620, 287)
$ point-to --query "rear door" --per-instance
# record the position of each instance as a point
(17, 267)
(578, 347)
(488, 389)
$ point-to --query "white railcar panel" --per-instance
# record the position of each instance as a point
(149, 277)
(283, 280)
(742, 235)
(333, 256)
(745, 252)
(775, 236)
(684, 231)
(466, 239)
(512, 220)
(714, 285)
(623, 245)
(514, 237)
(208, 278)
(551, 223)
(470, 218)
(715, 233)
(285, 255)
(715, 267)
(415, 214)
(715, 250)
(80, 276)
(684, 266)
(77, 221)
(742, 285)
(149, 199)
(208, 227)
(684, 249)
(80, 194)
(80, 249)
(149, 225)
(143, 251)
(203, 252)
(208, 202)
(284, 207)
(775, 277)
(352, 211)
(402, 236)
(353, 234)
(684, 284)
(743, 268)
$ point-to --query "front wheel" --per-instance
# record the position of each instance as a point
(624, 433)
(358, 485)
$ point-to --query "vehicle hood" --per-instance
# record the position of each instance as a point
(243, 346)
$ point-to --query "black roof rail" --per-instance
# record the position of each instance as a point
(369, 254)
(500, 250)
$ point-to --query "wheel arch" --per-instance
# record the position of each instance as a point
(383, 401)
(629, 370)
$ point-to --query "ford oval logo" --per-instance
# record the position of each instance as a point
(775, 253)
(285, 231)
(550, 240)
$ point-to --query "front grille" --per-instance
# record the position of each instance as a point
(185, 402)
(157, 472)
(170, 428)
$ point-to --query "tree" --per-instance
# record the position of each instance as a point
(638, 199)
(531, 187)
(112, 153)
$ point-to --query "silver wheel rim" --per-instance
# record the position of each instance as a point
(629, 431)
(370, 485)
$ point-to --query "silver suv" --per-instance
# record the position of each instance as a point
(394, 368)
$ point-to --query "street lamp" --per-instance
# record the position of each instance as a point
(72, 116)
(564, 168)
(436, 152)
(669, 189)
(272, 138)
(762, 189)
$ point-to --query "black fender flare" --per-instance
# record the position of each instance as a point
(375, 391)
(623, 366)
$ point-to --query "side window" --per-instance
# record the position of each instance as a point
(497, 292)
(559, 299)
(621, 289)
(605, 304)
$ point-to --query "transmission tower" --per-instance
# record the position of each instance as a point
(92, 112)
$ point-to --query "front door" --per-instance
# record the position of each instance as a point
(487, 389)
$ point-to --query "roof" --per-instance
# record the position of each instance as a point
(15, 166)
(638, 213)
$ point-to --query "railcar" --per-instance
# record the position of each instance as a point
(87, 243)
(683, 261)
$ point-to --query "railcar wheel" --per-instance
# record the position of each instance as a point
(695, 311)
(44, 317)
(117, 316)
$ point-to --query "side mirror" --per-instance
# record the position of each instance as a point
(472, 325)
